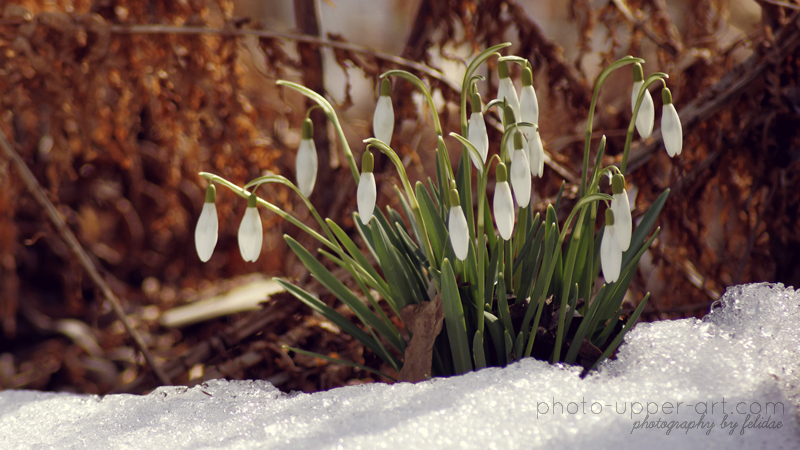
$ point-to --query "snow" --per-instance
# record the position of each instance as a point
(731, 378)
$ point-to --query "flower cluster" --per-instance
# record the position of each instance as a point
(481, 261)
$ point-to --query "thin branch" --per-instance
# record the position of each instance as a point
(83, 257)
(170, 29)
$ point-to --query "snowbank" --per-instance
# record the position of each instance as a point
(728, 381)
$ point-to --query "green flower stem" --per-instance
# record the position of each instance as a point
(424, 89)
(412, 198)
(483, 181)
(655, 77)
(241, 192)
(279, 179)
(473, 66)
(586, 200)
(600, 80)
(331, 116)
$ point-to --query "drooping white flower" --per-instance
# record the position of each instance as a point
(505, 87)
(476, 130)
(205, 235)
(503, 204)
(646, 117)
(367, 194)
(383, 120)
(610, 254)
(306, 163)
(536, 153)
(528, 103)
(520, 172)
(671, 130)
(458, 227)
(623, 223)
(251, 231)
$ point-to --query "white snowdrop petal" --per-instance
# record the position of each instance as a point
(646, 117)
(366, 195)
(459, 232)
(477, 135)
(671, 130)
(623, 223)
(383, 120)
(521, 177)
(536, 155)
(205, 235)
(610, 255)
(306, 166)
(251, 234)
(504, 210)
(505, 88)
(529, 109)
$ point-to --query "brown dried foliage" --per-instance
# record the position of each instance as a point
(116, 125)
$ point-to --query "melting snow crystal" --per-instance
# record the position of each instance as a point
(728, 381)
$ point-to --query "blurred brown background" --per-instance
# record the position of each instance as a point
(115, 106)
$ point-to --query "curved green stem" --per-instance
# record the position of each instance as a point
(473, 66)
(599, 84)
(412, 197)
(632, 125)
(331, 116)
(419, 84)
(241, 192)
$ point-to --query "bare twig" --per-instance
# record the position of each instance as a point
(75, 246)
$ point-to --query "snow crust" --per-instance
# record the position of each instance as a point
(728, 381)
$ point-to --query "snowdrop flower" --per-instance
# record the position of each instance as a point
(536, 153)
(646, 117)
(366, 193)
(250, 231)
(506, 89)
(458, 228)
(528, 103)
(306, 164)
(520, 172)
(476, 130)
(671, 130)
(622, 212)
(503, 204)
(610, 254)
(383, 120)
(205, 235)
